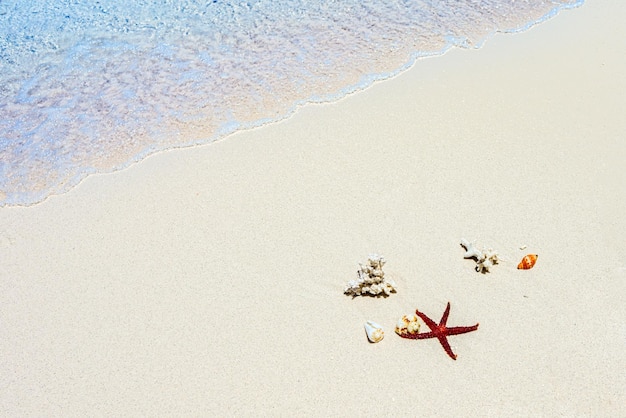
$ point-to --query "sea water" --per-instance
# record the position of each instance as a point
(92, 86)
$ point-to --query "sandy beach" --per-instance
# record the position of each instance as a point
(209, 281)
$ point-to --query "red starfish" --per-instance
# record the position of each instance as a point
(440, 331)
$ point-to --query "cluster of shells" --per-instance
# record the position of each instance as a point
(371, 279)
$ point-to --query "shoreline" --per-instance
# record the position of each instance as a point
(209, 281)
(224, 133)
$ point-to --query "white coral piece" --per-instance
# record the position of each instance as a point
(489, 259)
(470, 250)
(485, 259)
(371, 279)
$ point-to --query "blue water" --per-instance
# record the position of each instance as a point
(93, 86)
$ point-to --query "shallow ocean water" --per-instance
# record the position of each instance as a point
(93, 86)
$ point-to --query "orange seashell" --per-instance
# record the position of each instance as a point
(528, 262)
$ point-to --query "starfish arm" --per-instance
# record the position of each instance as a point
(460, 330)
(419, 336)
(431, 324)
(425, 335)
(444, 318)
(446, 346)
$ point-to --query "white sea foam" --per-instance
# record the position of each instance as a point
(91, 86)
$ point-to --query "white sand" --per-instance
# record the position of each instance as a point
(209, 281)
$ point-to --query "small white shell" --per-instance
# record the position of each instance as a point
(374, 331)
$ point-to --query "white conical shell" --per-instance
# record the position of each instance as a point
(374, 331)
